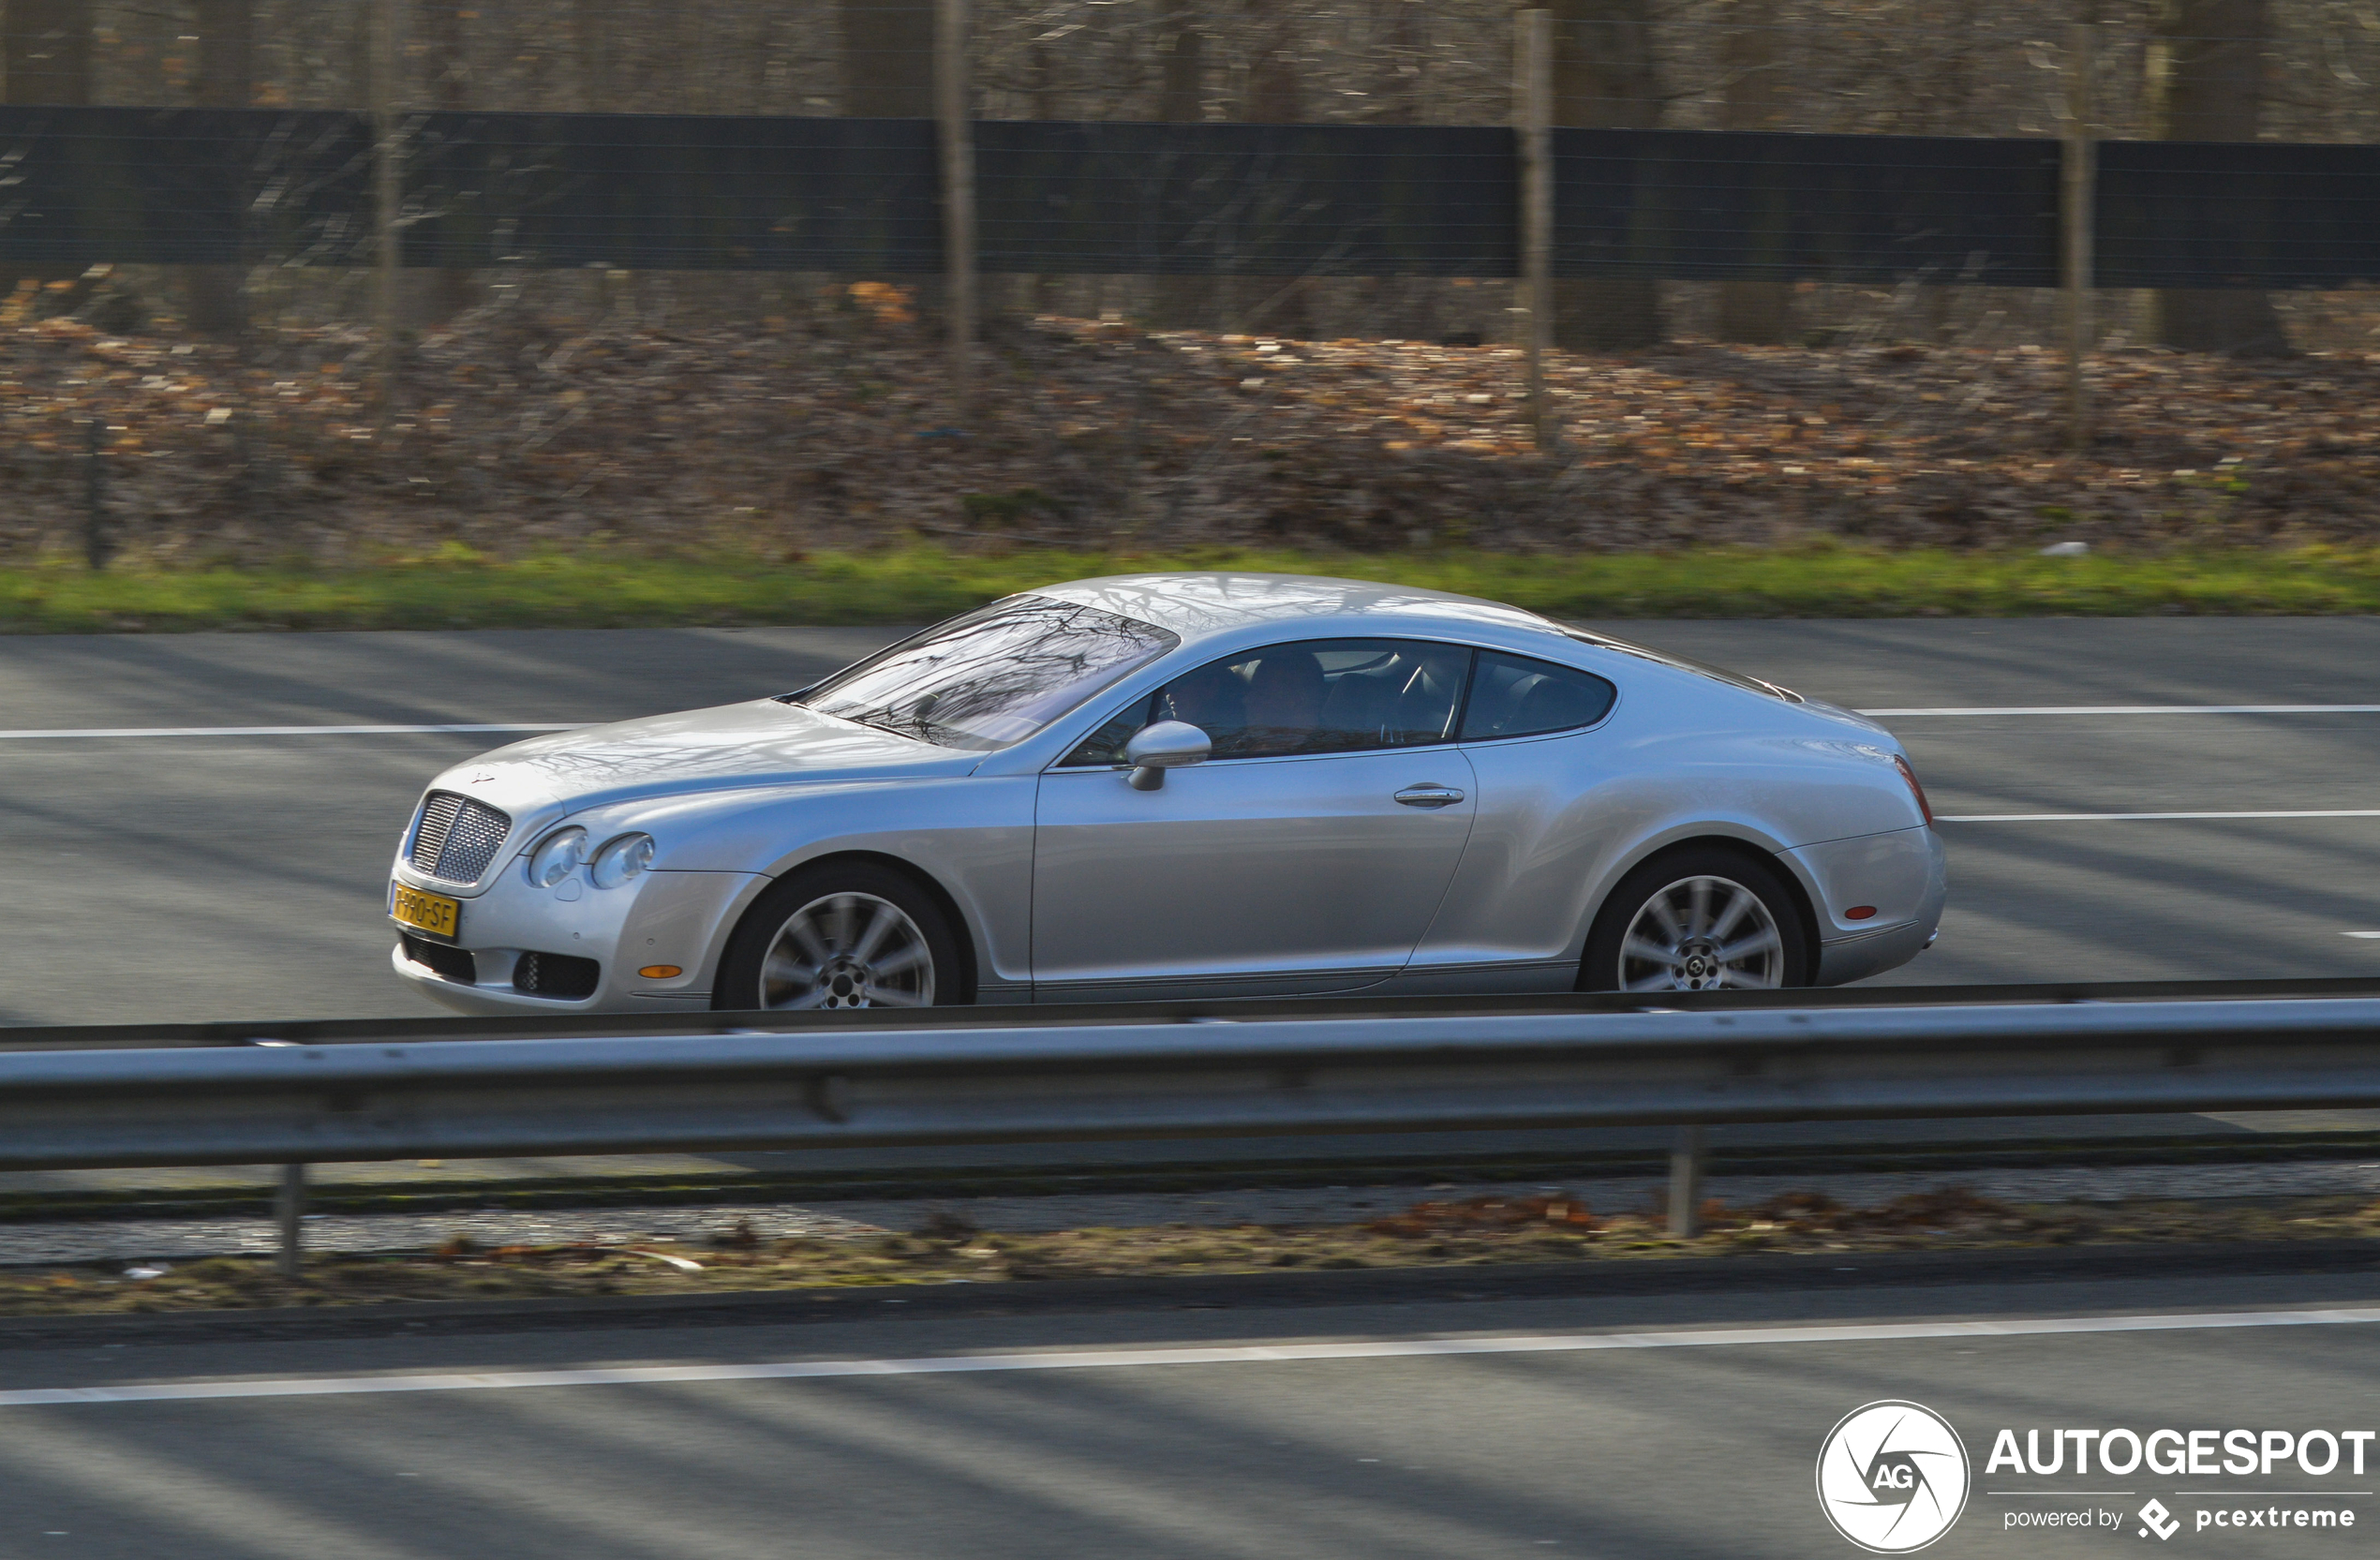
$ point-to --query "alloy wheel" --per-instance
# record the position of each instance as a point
(1698, 934)
(848, 950)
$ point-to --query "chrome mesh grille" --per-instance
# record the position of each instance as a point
(456, 837)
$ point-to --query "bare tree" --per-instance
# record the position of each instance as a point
(1605, 77)
(225, 80)
(1276, 96)
(2204, 80)
(48, 44)
(591, 30)
(1756, 309)
(448, 291)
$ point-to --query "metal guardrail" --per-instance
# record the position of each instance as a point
(1229, 1075)
(361, 1032)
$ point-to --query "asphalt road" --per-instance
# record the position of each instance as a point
(185, 878)
(1650, 1424)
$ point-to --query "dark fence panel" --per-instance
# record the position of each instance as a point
(672, 192)
(675, 192)
(180, 186)
(1692, 204)
(1252, 200)
(2255, 213)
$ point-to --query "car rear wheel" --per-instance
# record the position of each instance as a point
(1698, 920)
(838, 937)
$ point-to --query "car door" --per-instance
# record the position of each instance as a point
(1541, 755)
(1308, 854)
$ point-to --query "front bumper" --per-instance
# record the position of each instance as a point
(662, 919)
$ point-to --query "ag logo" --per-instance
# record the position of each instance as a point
(1892, 1477)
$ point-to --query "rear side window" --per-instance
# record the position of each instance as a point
(1515, 696)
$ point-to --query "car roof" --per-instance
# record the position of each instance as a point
(1203, 605)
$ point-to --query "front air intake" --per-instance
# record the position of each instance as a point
(563, 975)
(455, 838)
(447, 962)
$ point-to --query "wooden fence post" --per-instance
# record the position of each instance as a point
(387, 193)
(1533, 131)
(2078, 180)
(953, 113)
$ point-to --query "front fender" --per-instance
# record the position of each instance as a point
(971, 835)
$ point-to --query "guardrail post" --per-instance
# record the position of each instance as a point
(289, 1208)
(1687, 1157)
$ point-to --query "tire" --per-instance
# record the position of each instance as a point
(1658, 903)
(842, 935)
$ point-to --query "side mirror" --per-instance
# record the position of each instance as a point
(1167, 744)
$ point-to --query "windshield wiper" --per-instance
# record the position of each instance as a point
(916, 731)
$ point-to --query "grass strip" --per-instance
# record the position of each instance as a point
(458, 588)
(1485, 1231)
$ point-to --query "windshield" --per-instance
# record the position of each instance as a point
(993, 677)
(1684, 664)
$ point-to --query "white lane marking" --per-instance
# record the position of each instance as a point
(2131, 817)
(2139, 709)
(138, 732)
(1248, 1354)
(2362, 934)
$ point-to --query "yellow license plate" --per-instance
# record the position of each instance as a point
(432, 912)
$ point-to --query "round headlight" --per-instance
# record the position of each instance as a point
(556, 856)
(621, 860)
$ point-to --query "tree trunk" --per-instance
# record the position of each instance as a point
(1756, 309)
(1181, 302)
(1605, 77)
(226, 79)
(2205, 62)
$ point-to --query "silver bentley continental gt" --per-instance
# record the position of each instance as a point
(1161, 786)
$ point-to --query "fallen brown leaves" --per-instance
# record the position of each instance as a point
(830, 429)
(1483, 1231)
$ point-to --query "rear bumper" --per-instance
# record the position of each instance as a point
(1898, 878)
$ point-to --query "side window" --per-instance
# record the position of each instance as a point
(1515, 696)
(1312, 697)
(1103, 747)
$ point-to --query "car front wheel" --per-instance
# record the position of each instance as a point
(837, 937)
(1698, 920)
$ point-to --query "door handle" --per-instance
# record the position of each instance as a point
(1429, 796)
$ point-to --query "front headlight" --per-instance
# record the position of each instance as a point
(621, 860)
(556, 856)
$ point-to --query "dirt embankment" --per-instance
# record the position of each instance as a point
(514, 434)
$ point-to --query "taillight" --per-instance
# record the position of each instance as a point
(1914, 789)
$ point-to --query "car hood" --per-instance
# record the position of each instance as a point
(732, 746)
